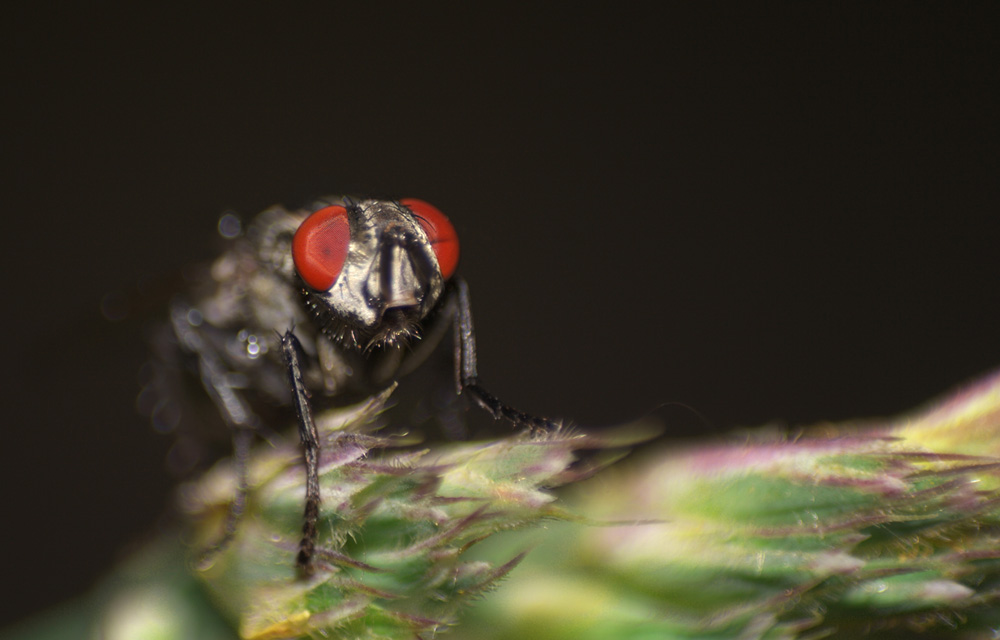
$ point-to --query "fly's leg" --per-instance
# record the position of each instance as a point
(466, 375)
(310, 447)
(234, 411)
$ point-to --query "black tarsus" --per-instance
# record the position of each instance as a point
(310, 450)
(466, 374)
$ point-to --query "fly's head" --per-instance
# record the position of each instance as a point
(373, 270)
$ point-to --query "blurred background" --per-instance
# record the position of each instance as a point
(764, 216)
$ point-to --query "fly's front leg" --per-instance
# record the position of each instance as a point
(290, 349)
(234, 410)
(466, 375)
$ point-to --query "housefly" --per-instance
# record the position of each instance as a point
(320, 304)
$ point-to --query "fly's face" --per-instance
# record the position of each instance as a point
(373, 270)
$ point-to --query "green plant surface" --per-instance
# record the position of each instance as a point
(886, 529)
(882, 529)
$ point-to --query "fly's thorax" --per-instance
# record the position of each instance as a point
(256, 295)
(271, 235)
(275, 304)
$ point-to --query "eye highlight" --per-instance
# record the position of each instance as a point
(320, 246)
(440, 233)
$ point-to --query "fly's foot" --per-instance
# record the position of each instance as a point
(534, 425)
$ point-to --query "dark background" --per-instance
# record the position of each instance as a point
(784, 215)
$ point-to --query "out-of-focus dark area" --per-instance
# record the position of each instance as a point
(785, 215)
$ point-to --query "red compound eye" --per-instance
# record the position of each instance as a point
(320, 245)
(439, 231)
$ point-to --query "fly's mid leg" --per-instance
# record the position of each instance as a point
(233, 408)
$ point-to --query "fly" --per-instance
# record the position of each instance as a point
(321, 304)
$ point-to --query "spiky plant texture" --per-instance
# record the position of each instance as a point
(394, 529)
(888, 529)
